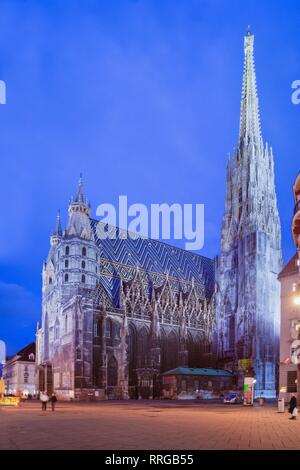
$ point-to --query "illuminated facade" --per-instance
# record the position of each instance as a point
(118, 312)
(290, 318)
(248, 291)
(19, 373)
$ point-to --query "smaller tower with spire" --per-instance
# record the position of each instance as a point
(57, 234)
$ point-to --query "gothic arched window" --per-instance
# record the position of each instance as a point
(196, 347)
(56, 330)
(66, 263)
(84, 251)
(83, 264)
(112, 372)
(170, 346)
(67, 250)
(108, 328)
(96, 332)
(83, 278)
(78, 353)
(132, 354)
(66, 277)
(240, 195)
(231, 329)
(142, 347)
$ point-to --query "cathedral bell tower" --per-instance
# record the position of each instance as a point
(78, 253)
(248, 292)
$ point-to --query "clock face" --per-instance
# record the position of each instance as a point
(295, 351)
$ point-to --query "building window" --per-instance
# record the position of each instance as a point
(183, 385)
(56, 331)
(108, 328)
(66, 323)
(83, 278)
(50, 280)
(96, 269)
(66, 277)
(84, 251)
(291, 381)
(83, 264)
(96, 328)
(231, 340)
(31, 358)
(67, 250)
(78, 353)
(116, 331)
(96, 257)
(240, 196)
(66, 263)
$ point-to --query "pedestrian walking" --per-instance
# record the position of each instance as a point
(53, 400)
(44, 399)
(293, 407)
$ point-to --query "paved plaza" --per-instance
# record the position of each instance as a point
(144, 425)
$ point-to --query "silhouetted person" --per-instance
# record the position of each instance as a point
(292, 407)
(53, 400)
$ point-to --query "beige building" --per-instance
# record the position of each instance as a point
(19, 373)
(290, 316)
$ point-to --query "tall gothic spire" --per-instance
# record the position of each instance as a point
(247, 289)
(250, 120)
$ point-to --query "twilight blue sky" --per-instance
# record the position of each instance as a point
(143, 97)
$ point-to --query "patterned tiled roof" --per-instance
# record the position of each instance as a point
(121, 256)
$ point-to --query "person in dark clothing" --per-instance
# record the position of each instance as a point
(292, 406)
(53, 400)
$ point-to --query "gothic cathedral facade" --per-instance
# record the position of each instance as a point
(117, 312)
(247, 288)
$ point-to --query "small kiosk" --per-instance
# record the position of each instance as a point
(249, 390)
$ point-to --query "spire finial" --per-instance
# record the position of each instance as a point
(58, 224)
(80, 196)
(248, 30)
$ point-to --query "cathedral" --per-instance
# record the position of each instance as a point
(247, 288)
(116, 313)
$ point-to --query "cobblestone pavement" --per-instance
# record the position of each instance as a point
(147, 425)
